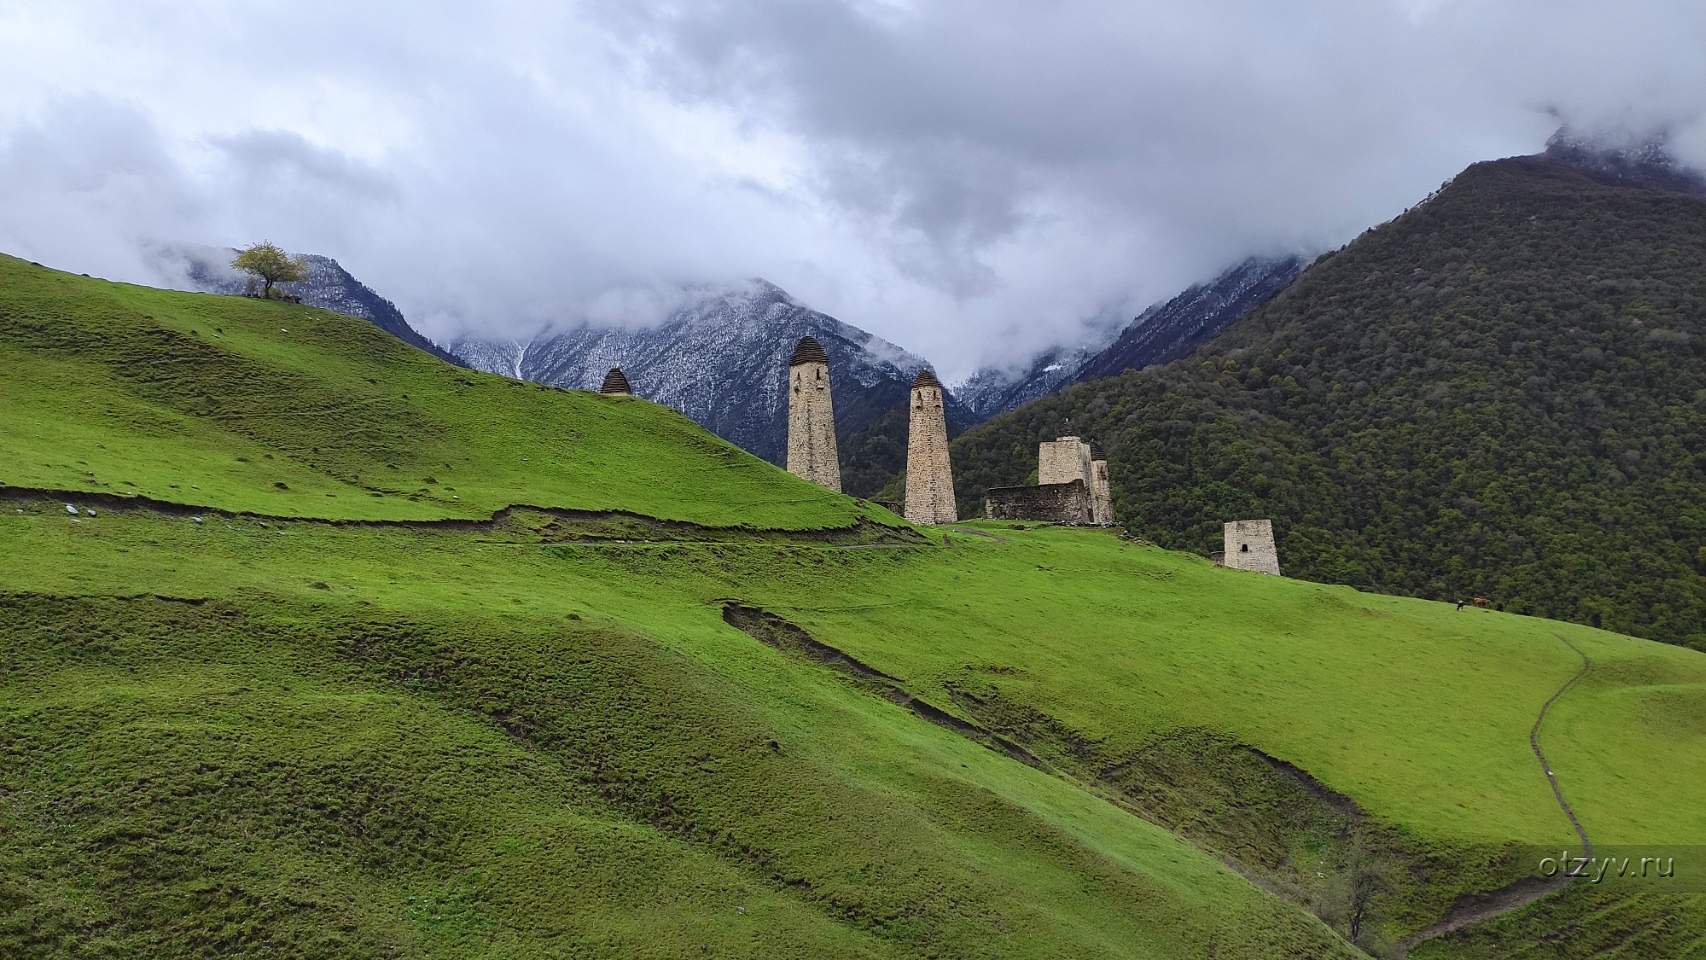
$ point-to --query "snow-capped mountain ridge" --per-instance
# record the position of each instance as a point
(1170, 330)
(720, 358)
(991, 390)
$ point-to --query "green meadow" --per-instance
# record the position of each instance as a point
(246, 405)
(513, 712)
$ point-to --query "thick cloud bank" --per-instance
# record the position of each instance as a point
(973, 179)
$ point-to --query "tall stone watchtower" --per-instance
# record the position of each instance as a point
(811, 418)
(1249, 545)
(929, 478)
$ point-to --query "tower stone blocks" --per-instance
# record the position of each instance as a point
(811, 418)
(929, 477)
(1250, 546)
(1063, 461)
(1101, 495)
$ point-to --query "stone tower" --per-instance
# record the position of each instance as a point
(929, 478)
(1063, 461)
(616, 384)
(811, 418)
(1250, 546)
(1101, 495)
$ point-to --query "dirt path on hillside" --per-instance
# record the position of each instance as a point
(573, 527)
(1539, 754)
(1479, 908)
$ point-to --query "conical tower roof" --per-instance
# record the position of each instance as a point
(616, 382)
(926, 378)
(808, 350)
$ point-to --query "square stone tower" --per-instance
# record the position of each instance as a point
(1101, 495)
(811, 418)
(1063, 461)
(929, 478)
(1250, 546)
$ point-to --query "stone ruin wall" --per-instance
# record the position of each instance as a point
(811, 426)
(929, 477)
(1249, 545)
(1071, 489)
(1066, 503)
(1101, 494)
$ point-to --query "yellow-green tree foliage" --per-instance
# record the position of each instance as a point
(268, 262)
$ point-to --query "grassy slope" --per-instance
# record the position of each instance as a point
(245, 405)
(1122, 643)
(429, 753)
(1419, 713)
(465, 742)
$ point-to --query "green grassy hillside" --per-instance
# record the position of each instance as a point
(253, 406)
(1501, 392)
(259, 732)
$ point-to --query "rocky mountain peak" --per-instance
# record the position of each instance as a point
(721, 358)
(1647, 159)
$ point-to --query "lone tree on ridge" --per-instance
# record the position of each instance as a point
(271, 264)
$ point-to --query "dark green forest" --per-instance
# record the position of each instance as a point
(1500, 392)
(874, 455)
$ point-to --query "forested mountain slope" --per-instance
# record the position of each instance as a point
(1165, 331)
(1502, 392)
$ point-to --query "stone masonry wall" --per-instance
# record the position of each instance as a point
(1101, 495)
(811, 426)
(929, 477)
(1063, 461)
(1250, 546)
(1068, 503)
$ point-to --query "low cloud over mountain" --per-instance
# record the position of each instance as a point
(974, 180)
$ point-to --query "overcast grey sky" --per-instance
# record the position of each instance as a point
(972, 179)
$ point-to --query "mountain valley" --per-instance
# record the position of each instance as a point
(458, 651)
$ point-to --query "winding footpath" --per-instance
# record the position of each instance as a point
(1479, 908)
(1539, 754)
